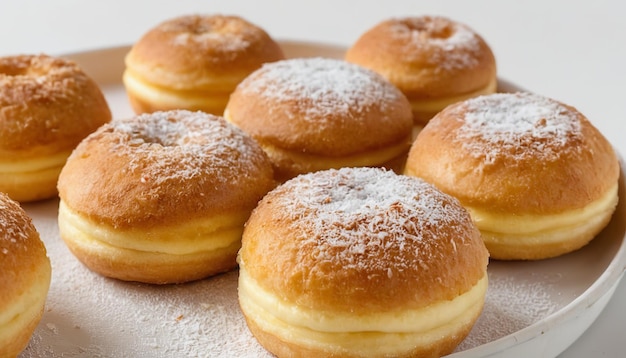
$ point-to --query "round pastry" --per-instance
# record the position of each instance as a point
(25, 274)
(433, 60)
(162, 197)
(537, 177)
(194, 62)
(357, 262)
(47, 106)
(314, 113)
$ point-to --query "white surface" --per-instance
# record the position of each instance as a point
(570, 50)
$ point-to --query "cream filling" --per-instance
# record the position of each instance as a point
(191, 237)
(14, 317)
(27, 179)
(267, 307)
(319, 162)
(17, 165)
(544, 225)
(436, 105)
(172, 98)
(45, 179)
(340, 336)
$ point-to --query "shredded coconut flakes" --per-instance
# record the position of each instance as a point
(333, 86)
(353, 214)
(518, 124)
(180, 145)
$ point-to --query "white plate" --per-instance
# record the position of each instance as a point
(533, 309)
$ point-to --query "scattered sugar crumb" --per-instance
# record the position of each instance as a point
(52, 327)
(510, 306)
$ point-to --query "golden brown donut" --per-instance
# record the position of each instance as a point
(194, 62)
(25, 274)
(162, 197)
(315, 113)
(359, 262)
(47, 106)
(538, 178)
(433, 60)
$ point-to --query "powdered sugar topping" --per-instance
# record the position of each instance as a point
(180, 145)
(516, 124)
(355, 216)
(14, 225)
(35, 79)
(228, 42)
(323, 86)
(223, 33)
(451, 45)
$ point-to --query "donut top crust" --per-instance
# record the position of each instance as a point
(518, 152)
(47, 104)
(321, 106)
(455, 44)
(426, 56)
(22, 253)
(194, 51)
(362, 238)
(521, 126)
(165, 167)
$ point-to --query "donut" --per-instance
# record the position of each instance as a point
(161, 198)
(25, 274)
(194, 62)
(316, 113)
(357, 262)
(47, 106)
(433, 60)
(537, 177)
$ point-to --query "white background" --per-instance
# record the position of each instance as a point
(573, 51)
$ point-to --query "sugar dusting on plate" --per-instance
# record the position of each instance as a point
(510, 306)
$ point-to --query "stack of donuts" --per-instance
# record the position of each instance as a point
(360, 198)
